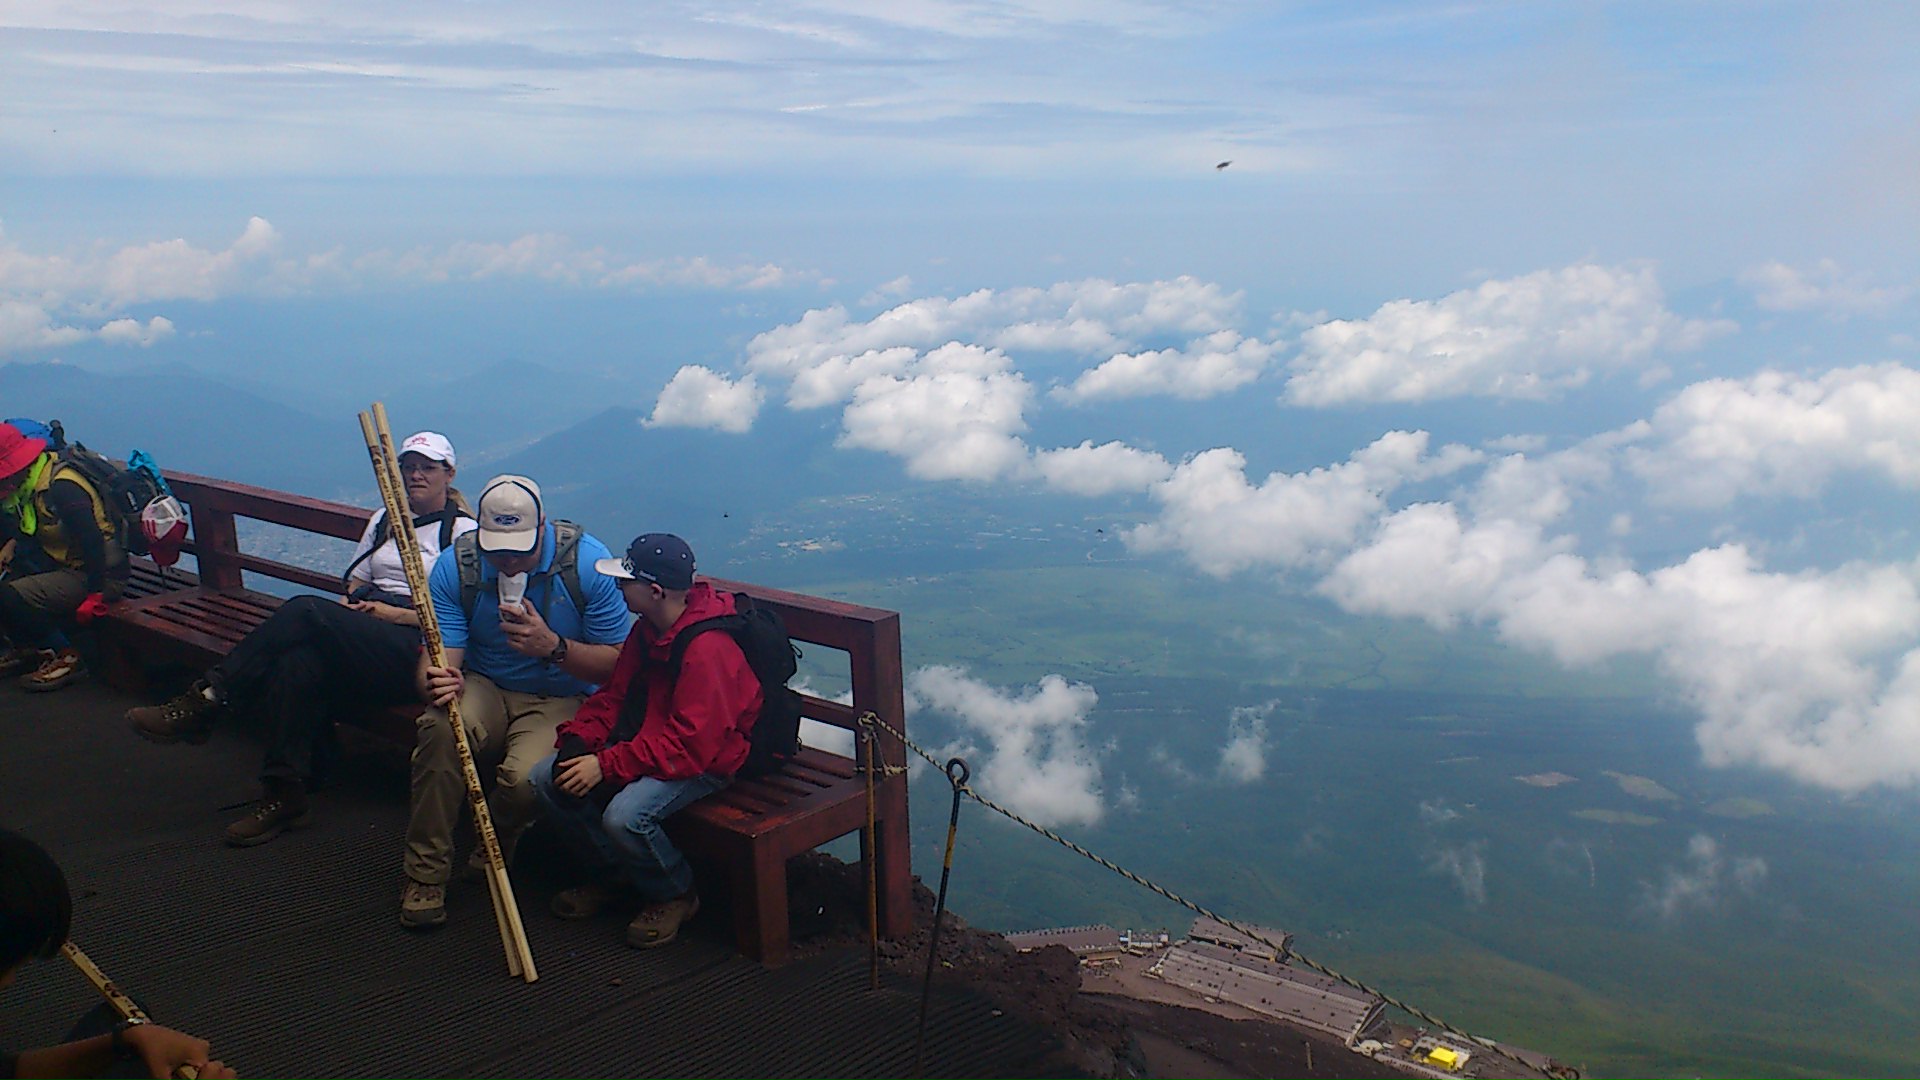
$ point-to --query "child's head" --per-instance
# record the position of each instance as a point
(36, 910)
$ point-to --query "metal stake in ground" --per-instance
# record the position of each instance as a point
(957, 775)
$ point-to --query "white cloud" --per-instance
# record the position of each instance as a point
(1526, 337)
(1815, 674)
(1164, 760)
(1437, 812)
(954, 418)
(1078, 316)
(134, 332)
(1223, 523)
(1101, 470)
(1702, 881)
(1243, 759)
(163, 270)
(1821, 287)
(701, 398)
(889, 290)
(1466, 867)
(556, 258)
(1777, 433)
(1216, 364)
(1027, 751)
(28, 325)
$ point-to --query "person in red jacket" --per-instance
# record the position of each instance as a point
(650, 742)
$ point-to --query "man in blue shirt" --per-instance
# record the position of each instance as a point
(518, 669)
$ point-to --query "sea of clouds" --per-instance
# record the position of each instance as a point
(1814, 671)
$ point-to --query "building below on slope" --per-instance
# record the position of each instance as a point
(1272, 988)
(1216, 932)
(1100, 944)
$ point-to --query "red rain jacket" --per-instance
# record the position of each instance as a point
(695, 724)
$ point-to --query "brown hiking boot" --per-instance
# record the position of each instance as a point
(658, 924)
(271, 816)
(21, 661)
(423, 906)
(187, 718)
(56, 671)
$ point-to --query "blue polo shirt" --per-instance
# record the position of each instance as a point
(605, 622)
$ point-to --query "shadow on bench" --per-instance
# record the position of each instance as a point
(749, 831)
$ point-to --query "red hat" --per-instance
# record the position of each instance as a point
(16, 450)
(164, 521)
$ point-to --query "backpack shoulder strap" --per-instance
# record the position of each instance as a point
(566, 562)
(678, 653)
(466, 554)
(380, 527)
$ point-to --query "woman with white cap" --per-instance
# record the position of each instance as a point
(314, 652)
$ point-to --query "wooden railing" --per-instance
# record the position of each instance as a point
(215, 540)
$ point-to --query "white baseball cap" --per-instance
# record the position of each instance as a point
(509, 513)
(428, 444)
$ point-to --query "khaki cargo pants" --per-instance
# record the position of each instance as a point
(509, 731)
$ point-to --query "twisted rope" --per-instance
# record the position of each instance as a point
(1284, 952)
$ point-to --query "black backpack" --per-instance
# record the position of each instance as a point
(762, 637)
(124, 491)
(448, 516)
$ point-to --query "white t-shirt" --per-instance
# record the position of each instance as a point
(382, 568)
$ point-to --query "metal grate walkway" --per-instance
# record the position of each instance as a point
(290, 958)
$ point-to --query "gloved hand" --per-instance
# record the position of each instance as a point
(94, 606)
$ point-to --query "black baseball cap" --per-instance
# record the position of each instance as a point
(661, 558)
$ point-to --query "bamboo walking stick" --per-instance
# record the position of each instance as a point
(122, 1004)
(506, 910)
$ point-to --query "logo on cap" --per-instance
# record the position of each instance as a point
(506, 521)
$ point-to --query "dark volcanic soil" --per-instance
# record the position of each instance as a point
(1100, 1035)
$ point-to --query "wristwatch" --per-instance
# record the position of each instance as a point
(559, 654)
(119, 1039)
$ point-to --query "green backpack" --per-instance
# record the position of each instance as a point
(566, 564)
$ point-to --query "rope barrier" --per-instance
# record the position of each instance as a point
(1284, 952)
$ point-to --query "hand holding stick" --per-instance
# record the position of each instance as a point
(129, 1010)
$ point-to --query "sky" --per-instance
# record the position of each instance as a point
(1596, 325)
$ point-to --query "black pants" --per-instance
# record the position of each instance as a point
(311, 656)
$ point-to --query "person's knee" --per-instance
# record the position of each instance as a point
(627, 820)
(541, 775)
(518, 800)
(433, 735)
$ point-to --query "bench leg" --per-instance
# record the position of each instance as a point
(119, 666)
(760, 928)
(894, 852)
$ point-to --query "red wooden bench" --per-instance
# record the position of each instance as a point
(749, 830)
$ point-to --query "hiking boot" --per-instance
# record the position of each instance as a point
(423, 906)
(285, 807)
(580, 902)
(657, 924)
(57, 671)
(187, 718)
(21, 660)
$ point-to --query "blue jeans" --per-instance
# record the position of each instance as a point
(626, 837)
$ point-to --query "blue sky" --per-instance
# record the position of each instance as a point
(1611, 308)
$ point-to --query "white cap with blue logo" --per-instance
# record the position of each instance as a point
(509, 513)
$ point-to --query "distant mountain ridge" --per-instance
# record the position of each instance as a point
(187, 422)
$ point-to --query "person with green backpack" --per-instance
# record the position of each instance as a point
(49, 503)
